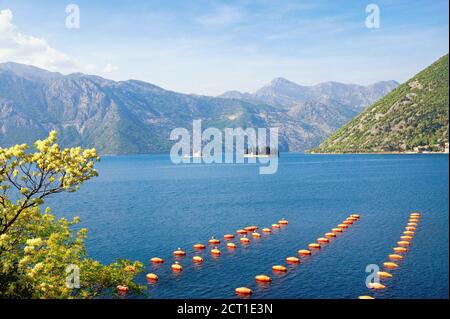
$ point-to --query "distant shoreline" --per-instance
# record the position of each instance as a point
(376, 153)
(281, 153)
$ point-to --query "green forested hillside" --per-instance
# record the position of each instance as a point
(413, 115)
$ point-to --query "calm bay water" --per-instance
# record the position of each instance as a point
(144, 206)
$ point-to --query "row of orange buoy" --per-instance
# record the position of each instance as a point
(402, 248)
(251, 230)
(245, 291)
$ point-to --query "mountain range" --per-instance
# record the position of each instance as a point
(282, 92)
(131, 117)
(412, 118)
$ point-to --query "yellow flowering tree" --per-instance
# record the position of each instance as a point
(40, 255)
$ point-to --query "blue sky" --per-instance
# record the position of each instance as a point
(208, 47)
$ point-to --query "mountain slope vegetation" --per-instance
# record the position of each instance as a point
(411, 117)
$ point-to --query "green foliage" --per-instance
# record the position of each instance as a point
(36, 248)
(415, 114)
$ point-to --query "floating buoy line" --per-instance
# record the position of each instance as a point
(399, 253)
(244, 238)
(244, 235)
(292, 260)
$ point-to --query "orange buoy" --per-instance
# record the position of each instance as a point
(179, 252)
(412, 224)
(241, 231)
(214, 241)
(176, 267)
(355, 215)
(410, 228)
(352, 219)
(365, 297)
(304, 252)
(336, 230)
(256, 235)
(266, 230)
(323, 240)
(228, 236)
(330, 235)
(215, 251)
(251, 228)
(279, 268)
(413, 220)
(275, 226)
(403, 243)
(243, 291)
(390, 265)
(384, 274)
(347, 222)
(408, 232)
(231, 245)
(199, 246)
(197, 259)
(342, 226)
(263, 278)
(292, 260)
(400, 249)
(414, 214)
(244, 240)
(406, 237)
(157, 260)
(375, 285)
(314, 246)
(283, 222)
(395, 257)
(152, 277)
(122, 289)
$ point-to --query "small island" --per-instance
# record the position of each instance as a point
(265, 151)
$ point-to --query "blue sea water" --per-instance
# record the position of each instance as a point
(145, 206)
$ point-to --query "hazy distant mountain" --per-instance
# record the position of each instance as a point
(413, 115)
(282, 92)
(137, 117)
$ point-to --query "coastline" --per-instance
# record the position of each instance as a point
(376, 153)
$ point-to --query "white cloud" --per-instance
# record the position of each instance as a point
(28, 49)
(21, 48)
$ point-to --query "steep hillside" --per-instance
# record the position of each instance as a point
(413, 117)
